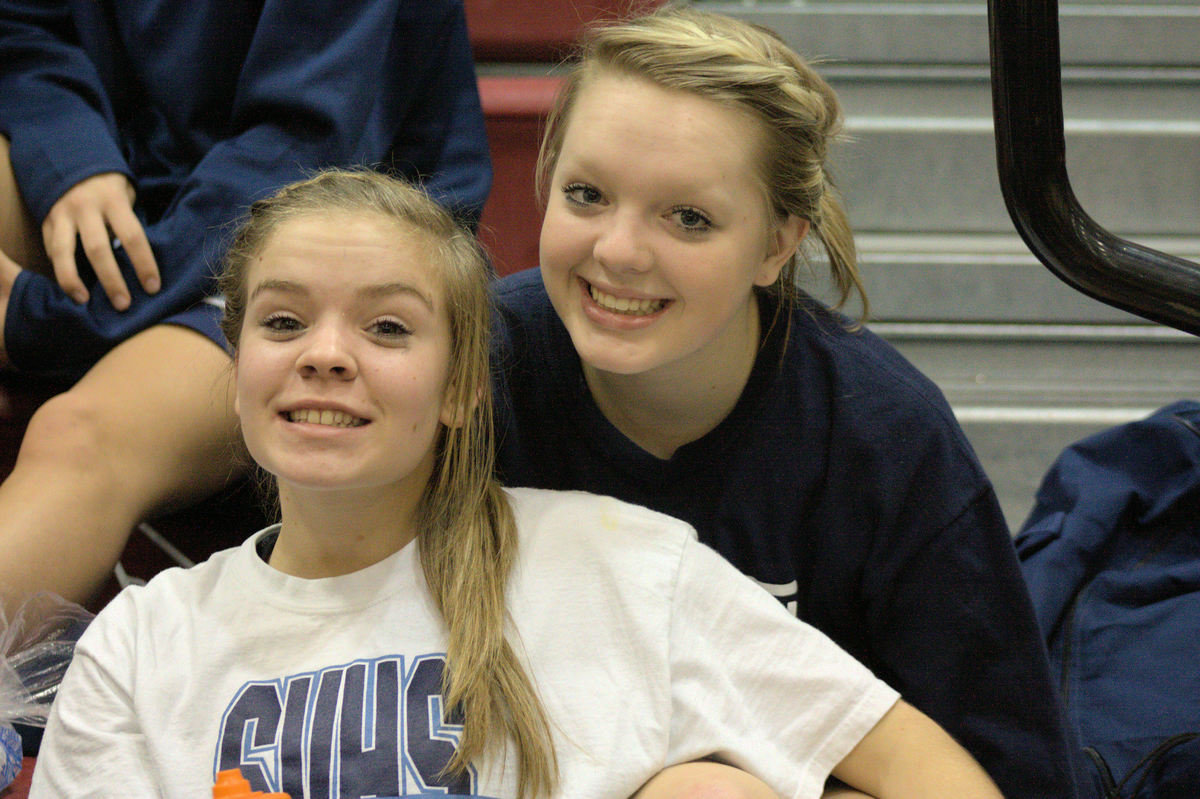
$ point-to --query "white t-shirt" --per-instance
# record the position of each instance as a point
(646, 648)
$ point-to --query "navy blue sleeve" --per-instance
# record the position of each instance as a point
(909, 563)
(953, 629)
(389, 83)
(53, 106)
(442, 142)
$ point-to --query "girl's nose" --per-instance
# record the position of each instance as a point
(622, 245)
(328, 354)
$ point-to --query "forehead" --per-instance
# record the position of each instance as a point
(679, 132)
(342, 248)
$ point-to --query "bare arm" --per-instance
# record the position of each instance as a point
(708, 778)
(907, 756)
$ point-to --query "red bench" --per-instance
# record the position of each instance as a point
(538, 30)
(514, 109)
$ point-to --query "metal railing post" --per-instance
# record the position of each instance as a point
(1031, 158)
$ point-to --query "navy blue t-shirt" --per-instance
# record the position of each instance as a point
(842, 482)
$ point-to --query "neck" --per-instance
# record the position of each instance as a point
(675, 404)
(331, 533)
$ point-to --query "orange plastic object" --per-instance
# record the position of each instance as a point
(232, 785)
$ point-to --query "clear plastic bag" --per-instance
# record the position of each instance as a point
(36, 646)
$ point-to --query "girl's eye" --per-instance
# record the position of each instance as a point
(581, 194)
(281, 323)
(690, 219)
(389, 328)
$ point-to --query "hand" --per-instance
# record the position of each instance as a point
(9, 269)
(95, 209)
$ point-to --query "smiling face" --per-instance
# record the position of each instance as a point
(656, 231)
(343, 354)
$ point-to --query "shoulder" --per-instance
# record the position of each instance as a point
(168, 601)
(522, 314)
(842, 404)
(584, 556)
(577, 522)
(592, 514)
(870, 394)
(858, 365)
(521, 295)
(197, 580)
(520, 288)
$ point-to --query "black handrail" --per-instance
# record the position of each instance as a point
(1031, 155)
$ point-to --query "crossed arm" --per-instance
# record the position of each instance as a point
(905, 756)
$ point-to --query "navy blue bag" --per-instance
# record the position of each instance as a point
(1111, 554)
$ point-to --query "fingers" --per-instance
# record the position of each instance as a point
(97, 246)
(58, 233)
(94, 210)
(126, 227)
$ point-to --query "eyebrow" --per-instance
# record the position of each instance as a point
(588, 168)
(369, 292)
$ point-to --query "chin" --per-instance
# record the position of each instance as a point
(618, 365)
(312, 483)
(320, 479)
(603, 353)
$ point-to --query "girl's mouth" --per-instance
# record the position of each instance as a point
(625, 305)
(325, 417)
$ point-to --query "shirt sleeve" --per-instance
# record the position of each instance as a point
(53, 106)
(386, 83)
(756, 688)
(94, 744)
(952, 626)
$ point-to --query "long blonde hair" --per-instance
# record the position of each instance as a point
(743, 66)
(468, 536)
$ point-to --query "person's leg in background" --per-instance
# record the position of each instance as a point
(149, 428)
(20, 239)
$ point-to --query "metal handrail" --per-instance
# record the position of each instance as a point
(1031, 157)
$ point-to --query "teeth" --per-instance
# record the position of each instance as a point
(325, 417)
(625, 305)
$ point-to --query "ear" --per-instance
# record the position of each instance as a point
(782, 244)
(454, 414)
